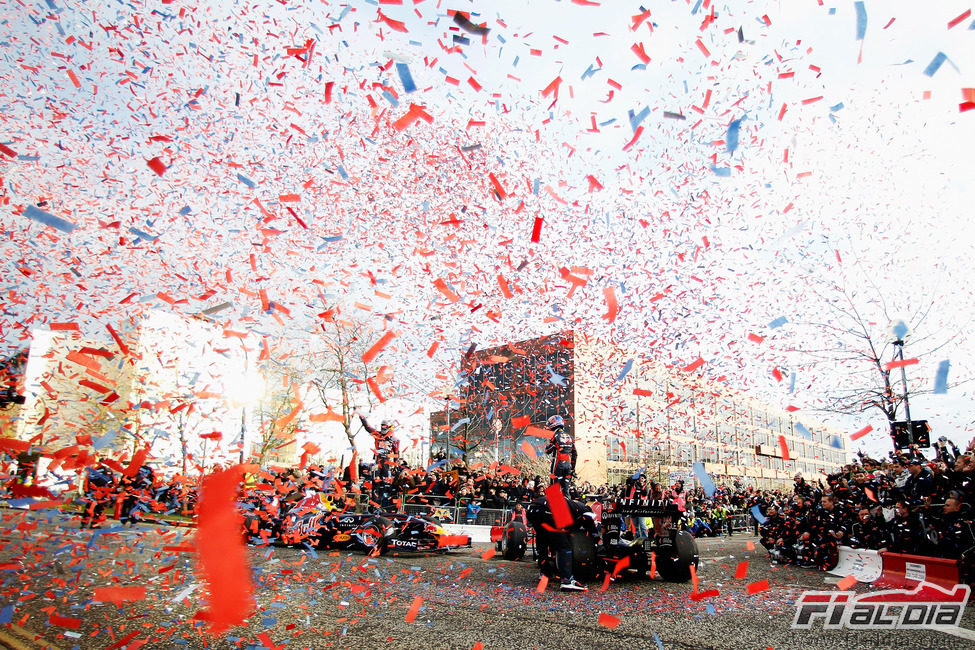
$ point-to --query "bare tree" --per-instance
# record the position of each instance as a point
(856, 336)
(343, 377)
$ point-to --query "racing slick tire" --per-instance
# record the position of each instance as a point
(583, 556)
(675, 555)
(373, 536)
(514, 541)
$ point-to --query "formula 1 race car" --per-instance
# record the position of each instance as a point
(602, 550)
(317, 521)
(512, 539)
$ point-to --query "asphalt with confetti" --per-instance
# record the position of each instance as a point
(53, 572)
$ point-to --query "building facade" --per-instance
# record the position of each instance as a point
(627, 414)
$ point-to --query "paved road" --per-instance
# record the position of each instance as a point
(49, 569)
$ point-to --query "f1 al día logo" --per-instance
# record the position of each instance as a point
(927, 606)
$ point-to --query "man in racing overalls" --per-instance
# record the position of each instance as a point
(387, 447)
(562, 448)
(554, 543)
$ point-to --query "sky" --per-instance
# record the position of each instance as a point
(677, 181)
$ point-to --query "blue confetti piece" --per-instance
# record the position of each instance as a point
(246, 181)
(637, 118)
(731, 139)
(638, 474)
(935, 64)
(835, 442)
(900, 330)
(106, 439)
(20, 503)
(458, 423)
(724, 172)
(660, 644)
(344, 174)
(861, 20)
(48, 219)
(838, 107)
(388, 96)
(757, 513)
(405, 77)
(778, 322)
(801, 428)
(941, 378)
(141, 234)
(626, 369)
(536, 185)
(694, 11)
(792, 384)
(707, 484)
(6, 614)
(590, 71)
(185, 211)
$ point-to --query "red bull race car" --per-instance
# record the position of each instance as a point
(316, 521)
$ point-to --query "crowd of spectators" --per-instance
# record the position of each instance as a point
(905, 504)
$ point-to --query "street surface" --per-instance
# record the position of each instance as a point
(49, 570)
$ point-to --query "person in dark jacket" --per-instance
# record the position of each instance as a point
(554, 544)
(562, 448)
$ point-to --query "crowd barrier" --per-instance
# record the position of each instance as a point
(896, 570)
(902, 570)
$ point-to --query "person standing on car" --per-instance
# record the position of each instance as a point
(562, 448)
(387, 447)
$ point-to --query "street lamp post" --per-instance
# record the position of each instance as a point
(901, 331)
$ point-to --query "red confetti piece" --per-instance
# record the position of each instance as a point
(959, 19)
(862, 432)
(414, 609)
(448, 293)
(156, 165)
(537, 230)
(412, 115)
(120, 594)
(395, 25)
(542, 584)
(377, 347)
(7, 151)
(521, 421)
(750, 546)
(528, 450)
(560, 509)
(609, 621)
(221, 553)
(704, 50)
(65, 621)
(641, 53)
(611, 306)
(756, 587)
(488, 554)
(785, 448)
(900, 363)
(694, 366)
(755, 338)
(74, 79)
(846, 583)
(710, 593)
(538, 433)
(741, 570)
